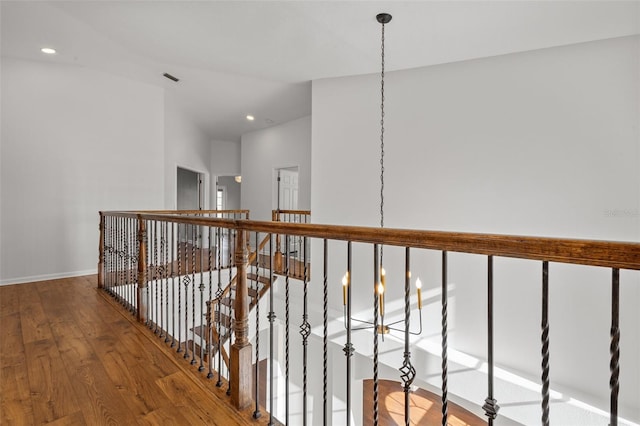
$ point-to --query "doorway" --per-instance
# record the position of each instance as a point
(287, 188)
(190, 196)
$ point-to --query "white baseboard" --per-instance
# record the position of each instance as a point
(46, 277)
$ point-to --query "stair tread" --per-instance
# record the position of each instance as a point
(260, 278)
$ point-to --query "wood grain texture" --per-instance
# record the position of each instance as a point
(71, 356)
(426, 407)
(612, 254)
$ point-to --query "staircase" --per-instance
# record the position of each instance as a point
(218, 327)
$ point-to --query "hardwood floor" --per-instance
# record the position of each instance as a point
(67, 357)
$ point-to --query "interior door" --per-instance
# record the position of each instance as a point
(189, 197)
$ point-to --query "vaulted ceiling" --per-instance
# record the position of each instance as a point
(235, 58)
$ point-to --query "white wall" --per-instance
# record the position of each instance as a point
(74, 142)
(233, 192)
(264, 151)
(185, 146)
(537, 143)
(225, 161)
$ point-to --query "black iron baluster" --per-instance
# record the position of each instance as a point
(445, 302)
(305, 331)
(376, 280)
(163, 275)
(219, 293)
(194, 242)
(286, 326)
(202, 329)
(490, 406)
(186, 280)
(210, 309)
(256, 413)
(325, 330)
(545, 343)
(232, 245)
(271, 317)
(154, 281)
(348, 347)
(173, 286)
(614, 348)
(180, 251)
(407, 370)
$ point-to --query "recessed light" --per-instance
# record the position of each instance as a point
(48, 50)
(250, 117)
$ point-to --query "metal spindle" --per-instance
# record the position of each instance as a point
(194, 242)
(202, 329)
(232, 243)
(305, 331)
(210, 310)
(614, 348)
(219, 293)
(179, 246)
(490, 404)
(348, 347)
(173, 286)
(445, 302)
(163, 276)
(271, 317)
(407, 370)
(545, 343)
(325, 330)
(155, 277)
(376, 280)
(286, 326)
(256, 413)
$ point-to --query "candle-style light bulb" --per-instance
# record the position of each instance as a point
(345, 283)
(383, 278)
(419, 287)
(381, 297)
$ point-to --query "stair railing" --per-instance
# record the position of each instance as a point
(162, 277)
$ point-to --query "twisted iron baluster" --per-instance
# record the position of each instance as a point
(348, 347)
(376, 280)
(614, 348)
(154, 281)
(407, 370)
(202, 330)
(490, 404)
(545, 343)
(163, 274)
(193, 293)
(325, 331)
(444, 340)
(173, 286)
(209, 310)
(180, 251)
(256, 413)
(186, 281)
(231, 314)
(305, 331)
(271, 317)
(219, 293)
(286, 326)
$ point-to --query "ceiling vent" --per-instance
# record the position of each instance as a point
(170, 77)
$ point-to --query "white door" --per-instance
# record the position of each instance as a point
(288, 189)
(288, 200)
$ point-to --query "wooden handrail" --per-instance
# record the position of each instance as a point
(301, 212)
(612, 254)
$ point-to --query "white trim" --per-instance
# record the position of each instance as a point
(46, 277)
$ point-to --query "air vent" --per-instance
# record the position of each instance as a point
(170, 77)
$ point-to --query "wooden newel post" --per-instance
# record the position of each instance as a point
(101, 253)
(241, 368)
(142, 271)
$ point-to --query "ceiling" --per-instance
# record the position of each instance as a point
(235, 58)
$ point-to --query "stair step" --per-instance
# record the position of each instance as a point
(224, 319)
(261, 279)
